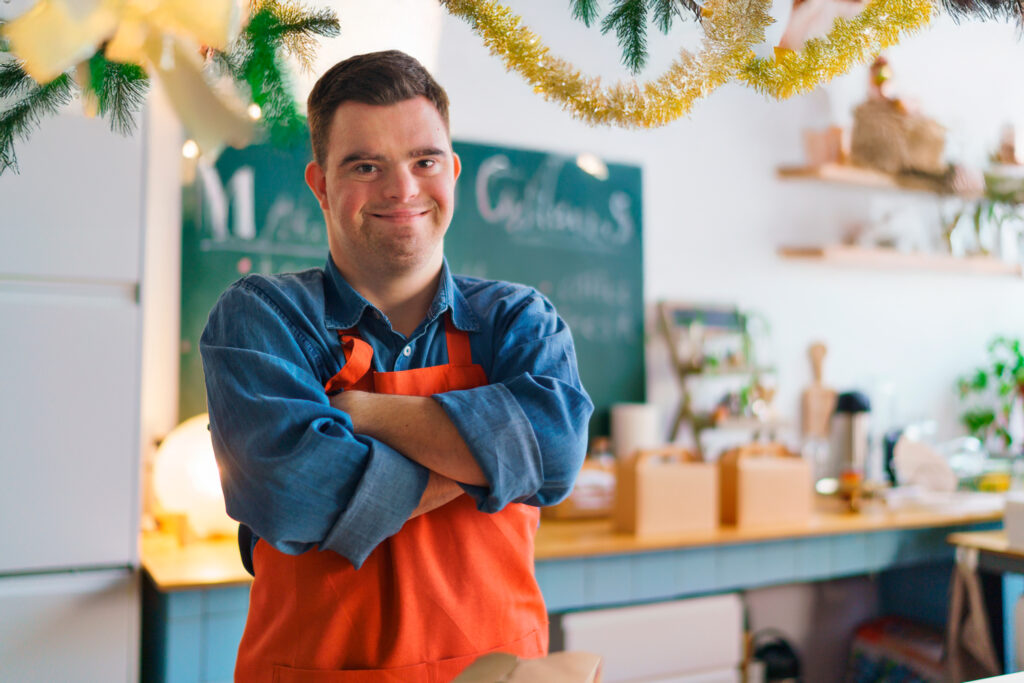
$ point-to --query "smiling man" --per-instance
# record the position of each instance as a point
(386, 430)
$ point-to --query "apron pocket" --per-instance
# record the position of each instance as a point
(531, 645)
(417, 673)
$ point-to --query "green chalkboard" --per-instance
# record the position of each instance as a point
(249, 212)
(540, 219)
(524, 216)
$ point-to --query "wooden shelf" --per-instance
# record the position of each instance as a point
(707, 421)
(898, 260)
(859, 176)
(729, 371)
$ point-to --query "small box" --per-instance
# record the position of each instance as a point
(1013, 521)
(764, 483)
(666, 491)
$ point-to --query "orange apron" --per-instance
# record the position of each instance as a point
(451, 585)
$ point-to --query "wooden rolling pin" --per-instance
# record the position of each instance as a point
(819, 401)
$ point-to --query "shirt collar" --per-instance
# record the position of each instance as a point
(344, 306)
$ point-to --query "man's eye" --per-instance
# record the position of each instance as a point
(364, 168)
(427, 163)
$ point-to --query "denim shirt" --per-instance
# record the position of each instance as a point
(292, 468)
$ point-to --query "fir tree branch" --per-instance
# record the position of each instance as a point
(629, 20)
(261, 70)
(584, 10)
(298, 29)
(986, 9)
(120, 91)
(19, 120)
(276, 28)
(666, 11)
(13, 80)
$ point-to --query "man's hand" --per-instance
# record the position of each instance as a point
(415, 426)
(440, 491)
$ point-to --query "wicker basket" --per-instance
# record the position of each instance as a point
(887, 137)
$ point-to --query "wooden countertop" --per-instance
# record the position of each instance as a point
(565, 539)
(215, 563)
(199, 564)
(989, 541)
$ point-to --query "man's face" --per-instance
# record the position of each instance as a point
(387, 187)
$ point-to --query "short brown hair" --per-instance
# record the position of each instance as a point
(379, 78)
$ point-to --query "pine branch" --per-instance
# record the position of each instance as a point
(296, 27)
(13, 80)
(120, 91)
(261, 70)
(629, 20)
(24, 116)
(276, 28)
(666, 11)
(584, 10)
(299, 29)
(986, 9)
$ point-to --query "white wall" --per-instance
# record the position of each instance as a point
(714, 211)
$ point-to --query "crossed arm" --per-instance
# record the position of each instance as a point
(303, 470)
(419, 428)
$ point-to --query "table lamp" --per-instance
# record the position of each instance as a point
(186, 480)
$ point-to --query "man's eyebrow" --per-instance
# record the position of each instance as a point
(427, 152)
(361, 156)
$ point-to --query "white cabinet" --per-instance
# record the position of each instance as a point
(75, 209)
(73, 626)
(71, 235)
(68, 426)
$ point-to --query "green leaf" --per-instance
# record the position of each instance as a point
(980, 381)
(584, 10)
(977, 420)
(629, 21)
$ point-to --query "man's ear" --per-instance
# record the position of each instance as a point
(457, 163)
(317, 182)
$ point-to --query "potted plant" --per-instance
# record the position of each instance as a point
(995, 396)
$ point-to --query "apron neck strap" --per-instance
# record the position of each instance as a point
(359, 354)
(458, 343)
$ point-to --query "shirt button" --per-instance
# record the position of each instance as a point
(406, 351)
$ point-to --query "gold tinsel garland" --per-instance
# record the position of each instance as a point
(731, 27)
(850, 41)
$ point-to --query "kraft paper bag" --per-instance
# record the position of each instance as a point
(665, 491)
(560, 667)
(764, 484)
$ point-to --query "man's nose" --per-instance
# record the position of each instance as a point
(402, 185)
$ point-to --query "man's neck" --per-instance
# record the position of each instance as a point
(405, 299)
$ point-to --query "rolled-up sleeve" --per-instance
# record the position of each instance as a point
(527, 429)
(292, 468)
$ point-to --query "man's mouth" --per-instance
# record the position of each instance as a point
(399, 215)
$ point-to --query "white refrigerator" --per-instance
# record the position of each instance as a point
(71, 227)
